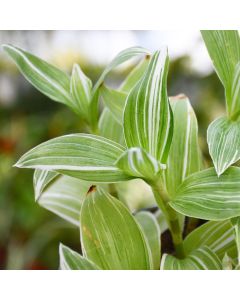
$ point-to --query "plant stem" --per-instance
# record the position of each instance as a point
(171, 216)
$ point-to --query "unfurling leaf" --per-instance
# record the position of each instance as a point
(110, 236)
(147, 115)
(71, 260)
(138, 163)
(184, 155)
(83, 156)
(223, 137)
(201, 259)
(152, 233)
(81, 88)
(206, 196)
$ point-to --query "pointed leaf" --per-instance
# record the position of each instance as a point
(114, 101)
(71, 260)
(83, 156)
(147, 115)
(121, 57)
(110, 236)
(223, 137)
(200, 259)
(206, 196)
(224, 49)
(138, 163)
(135, 75)
(110, 128)
(81, 87)
(184, 155)
(41, 180)
(64, 197)
(227, 263)
(152, 233)
(219, 236)
(48, 79)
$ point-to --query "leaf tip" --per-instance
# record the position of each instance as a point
(92, 189)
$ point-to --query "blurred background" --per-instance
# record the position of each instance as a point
(30, 235)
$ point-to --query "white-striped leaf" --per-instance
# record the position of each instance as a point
(49, 80)
(64, 197)
(219, 236)
(135, 75)
(110, 128)
(200, 259)
(223, 137)
(227, 262)
(152, 233)
(114, 101)
(83, 156)
(138, 163)
(147, 115)
(234, 109)
(41, 180)
(236, 223)
(184, 155)
(81, 88)
(71, 260)
(224, 49)
(110, 235)
(206, 196)
(120, 58)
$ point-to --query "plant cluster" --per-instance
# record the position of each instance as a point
(140, 132)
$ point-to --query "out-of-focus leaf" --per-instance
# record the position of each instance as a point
(110, 128)
(41, 180)
(71, 260)
(219, 236)
(110, 236)
(138, 163)
(227, 263)
(81, 87)
(161, 220)
(48, 79)
(148, 121)
(120, 58)
(184, 155)
(224, 49)
(223, 137)
(152, 234)
(135, 75)
(201, 259)
(206, 196)
(83, 156)
(64, 197)
(114, 101)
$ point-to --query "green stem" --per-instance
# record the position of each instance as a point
(171, 216)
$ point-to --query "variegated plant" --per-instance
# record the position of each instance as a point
(141, 133)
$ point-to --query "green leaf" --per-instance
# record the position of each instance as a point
(200, 259)
(147, 115)
(41, 179)
(219, 236)
(110, 236)
(135, 75)
(114, 101)
(236, 223)
(234, 108)
(110, 128)
(224, 49)
(121, 57)
(227, 263)
(138, 163)
(223, 137)
(152, 233)
(49, 80)
(81, 87)
(71, 260)
(184, 156)
(206, 196)
(64, 197)
(83, 156)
